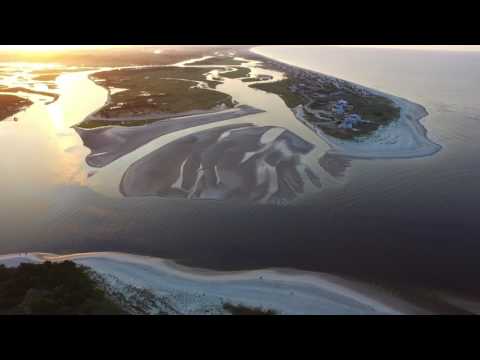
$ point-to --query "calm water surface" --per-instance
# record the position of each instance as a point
(411, 221)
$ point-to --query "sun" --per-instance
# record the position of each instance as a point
(46, 48)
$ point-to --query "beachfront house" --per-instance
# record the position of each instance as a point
(340, 106)
(350, 121)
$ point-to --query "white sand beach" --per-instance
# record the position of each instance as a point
(200, 291)
(401, 139)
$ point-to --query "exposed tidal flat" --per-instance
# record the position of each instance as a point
(203, 89)
(395, 223)
(138, 125)
(109, 143)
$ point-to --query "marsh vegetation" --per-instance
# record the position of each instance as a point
(11, 104)
(239, 72)
(282, 89)
(219, 60)
(168, 90)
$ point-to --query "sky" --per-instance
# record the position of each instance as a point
(40, 48)
(423, 47)
(45, 48)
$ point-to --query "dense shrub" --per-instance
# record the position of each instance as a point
(51, 288)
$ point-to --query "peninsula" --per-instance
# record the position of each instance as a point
(354, 120)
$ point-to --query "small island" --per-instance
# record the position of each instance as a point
(12, 104)
(236, 73)
(52, 95)
(143, 95)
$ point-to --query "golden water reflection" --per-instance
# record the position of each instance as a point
(40, 149)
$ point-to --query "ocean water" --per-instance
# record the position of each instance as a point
(420, 214)
(410, 221)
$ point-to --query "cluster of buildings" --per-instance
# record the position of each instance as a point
(349, 120)
(340, 107)
(313, 86)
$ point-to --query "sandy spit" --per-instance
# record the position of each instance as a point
(191, 290)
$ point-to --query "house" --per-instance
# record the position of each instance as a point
(350, 121)
(340, 107)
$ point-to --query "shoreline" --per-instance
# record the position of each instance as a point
(104, 152)
(418, 145)
(189, 290)
(409, 121)
(155, 116)
(287, 291)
